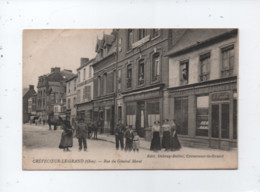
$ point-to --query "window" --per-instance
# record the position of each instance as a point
(155, 33)
(68, 103)
(141, 34)
(87, 93)
(202, 119)
(227, 61)
(79, 77)
(74, 101)
(119, 113)
(119, 79)
(99, 82)
(75, 84)
(90, 71)
(130, 38)
(156, 67)
(129, 76)
(84, 74)
(184, 72)
(204, 67)
(78, 96)
(68, 87)
(141, 72)
(105, 84)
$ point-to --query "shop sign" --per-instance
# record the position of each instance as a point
(220, 96)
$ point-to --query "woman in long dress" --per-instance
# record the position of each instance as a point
(166, 135)
(175, 144)
(66, 136)
(156, 141)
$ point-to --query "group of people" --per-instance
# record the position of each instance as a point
(125, 136)
(81, 128)
(130, 136)
(170, 140)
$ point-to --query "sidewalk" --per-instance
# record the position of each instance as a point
(111, 138)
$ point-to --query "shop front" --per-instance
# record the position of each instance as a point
(85, 111)
(141, 110)
(104, 112)
(206, 113)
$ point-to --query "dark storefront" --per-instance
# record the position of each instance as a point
(142, 109)
(85, 111)
(206, 113)
(104, 111)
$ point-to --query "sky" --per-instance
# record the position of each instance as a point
(44, 49)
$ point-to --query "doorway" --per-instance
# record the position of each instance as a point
(220, 119)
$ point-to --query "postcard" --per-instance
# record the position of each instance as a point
(109, 99)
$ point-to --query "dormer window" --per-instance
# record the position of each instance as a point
(141, 33)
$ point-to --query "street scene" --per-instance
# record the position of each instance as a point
(151, 98)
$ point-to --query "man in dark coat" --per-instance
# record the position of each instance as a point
(129, 136)
(119, 135)
(81, 134)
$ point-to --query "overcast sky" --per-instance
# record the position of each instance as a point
(44, 49)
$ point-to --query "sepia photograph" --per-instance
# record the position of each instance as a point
(130, 98)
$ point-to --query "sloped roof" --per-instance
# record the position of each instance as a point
(196, 36)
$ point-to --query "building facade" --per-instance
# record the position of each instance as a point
(104, 68)
(84, 93)
(71, 97)
(27, 103)
(51, 97)
(203, 69)
(142, 76)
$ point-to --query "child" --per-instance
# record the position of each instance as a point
(136, 142)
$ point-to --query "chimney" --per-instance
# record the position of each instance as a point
(31, 87)
(55, 69)
(84, 61)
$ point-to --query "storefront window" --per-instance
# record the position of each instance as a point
(131, 115)
(202, 123)
(153, 111)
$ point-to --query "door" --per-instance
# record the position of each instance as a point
(181, 115)
(220, 120)
(140, 118)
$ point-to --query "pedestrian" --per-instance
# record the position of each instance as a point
(129, 136)
(166, 135)
(156, 141)
(95, 129)
(119, 135)
(81, 134)
(136, 142)
(100, 125)
(66, 136)
(174, 142)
